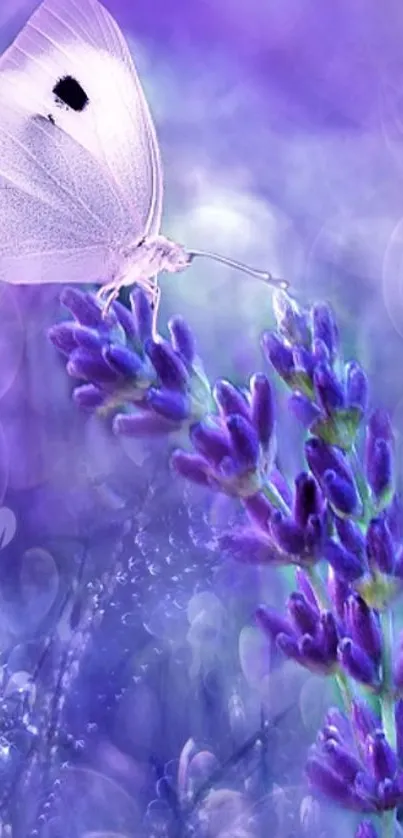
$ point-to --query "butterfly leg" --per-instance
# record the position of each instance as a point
(107, 295)
(153, 291)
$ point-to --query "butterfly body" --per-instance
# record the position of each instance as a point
(141, 263)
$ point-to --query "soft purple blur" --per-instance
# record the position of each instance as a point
(281, 133)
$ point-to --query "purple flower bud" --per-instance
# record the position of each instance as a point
(320, 352)
(325, 328)
(378, 451)
(230, 400)
(192, 467)
(328, 389)
(357, 663)
(356, 386)
(336, 719)
(379, 544)
(366, 829)
(91, 367)
(331, 784)
(143, 314)
(88, 397)
(289, 646)
(288, 535)
(304, 362)
(380, 757)
(305, 617)
(322, 457)
(312, 655)
(245, 443)
(380, 468)
(272, 623)
(363, 719)
(182, 339)
(125, 318)
(341, 760)
(379, 426)
(338, 589)
(249, 546)
(304, 410)
(259, 510)
(262, 409)
(210, 441)
(350, 535)
(292, 322)
(394, 517)
(346, 564)
(83, 307)
(329, 732)
(122, 360)
(141, 424)
(367, 788)
(399, 728)
(168, 366)
(306, 588)
(307, 499)
(63, 337)
(88, 338)
(389, 794)
(341, 493)
(328, 635)
(363, 626)
(398, 569)
(279, 355)
(314, 534)
(168, 403)
(398, 664)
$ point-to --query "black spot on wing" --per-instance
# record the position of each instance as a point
(68, 91)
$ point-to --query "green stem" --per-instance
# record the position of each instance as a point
(387, 705)
(386, 697)
(318, 586)
(388, 824)
(275, 498)
(341, 679)
(359, 478)
(344, 688)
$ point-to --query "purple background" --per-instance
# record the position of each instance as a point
(281, 133)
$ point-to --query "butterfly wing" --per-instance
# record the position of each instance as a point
(77, 181)
(79, 38)
(61, 218)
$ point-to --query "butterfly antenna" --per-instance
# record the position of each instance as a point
(263, 276)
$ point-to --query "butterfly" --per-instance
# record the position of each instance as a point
(81, 183)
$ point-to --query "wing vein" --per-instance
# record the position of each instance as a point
(47, 173)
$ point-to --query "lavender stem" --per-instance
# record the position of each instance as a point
(387, 700)
(275, 498)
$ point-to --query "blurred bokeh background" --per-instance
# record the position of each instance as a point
(281, 131)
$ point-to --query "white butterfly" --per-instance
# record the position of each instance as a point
(80, 172)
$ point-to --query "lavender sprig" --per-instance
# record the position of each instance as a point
(338, 524)
(152, 386)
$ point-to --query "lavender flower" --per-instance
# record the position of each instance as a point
(358, 772)
(160, 384)
(308, 635)
(337, 522)
(330, 404)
